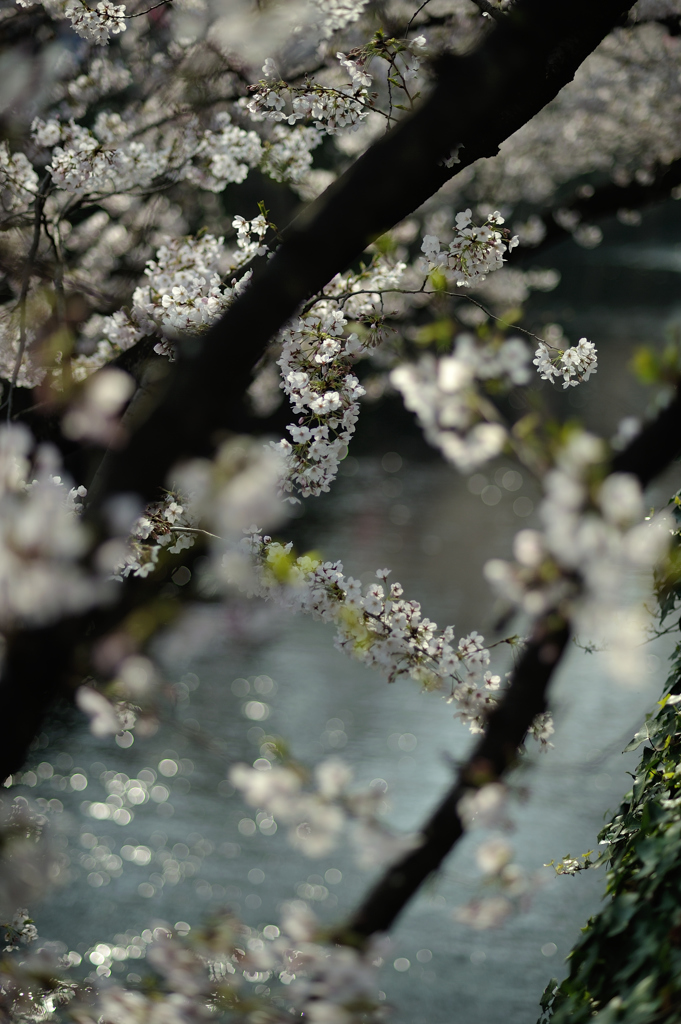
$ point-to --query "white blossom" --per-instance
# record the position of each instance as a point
(442, 394)
(41, 539)
(591, 538)
(18, 181)
(332, 111)
(380, 629)
(474, 252)
(314, 363)
(574, 365)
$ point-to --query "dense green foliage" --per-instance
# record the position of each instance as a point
(627, 965)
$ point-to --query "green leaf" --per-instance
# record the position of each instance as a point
(549, 994)
(641, 736)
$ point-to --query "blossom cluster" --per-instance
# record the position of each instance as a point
(331, 110)
(590, 539)
(226, 494)
(95, 24)
(184, 293)
(221, 155)
(164, 524)
(338, 14)
(574, 364)
(18, 181)
(326, 395)
(314, 362)
(360, 292)
(20, 929)
(288, 153)
(320, 818)
(474, 252)
(381, 630)
(41, 537)
(109, 158)
(442, 392)
(100, 77)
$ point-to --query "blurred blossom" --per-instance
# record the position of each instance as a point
(95, 416)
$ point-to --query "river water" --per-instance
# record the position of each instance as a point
(236, 675)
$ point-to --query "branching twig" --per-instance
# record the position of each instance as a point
(511, 327)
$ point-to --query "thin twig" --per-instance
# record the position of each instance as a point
(415, 15)
(345, 296)
(511, 327)
(163, 3)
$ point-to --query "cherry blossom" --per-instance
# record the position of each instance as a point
(315, 361)
(382, 630)
(574, 365)
(474, 252)
(331, 110)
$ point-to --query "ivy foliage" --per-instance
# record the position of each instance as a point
(626, 968)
